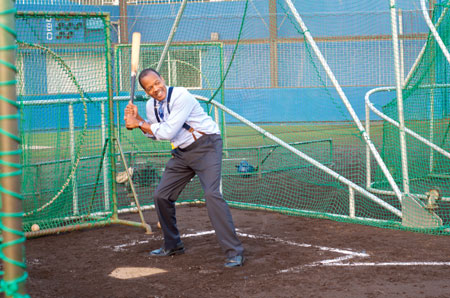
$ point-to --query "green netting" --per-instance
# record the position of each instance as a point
(252, 57)
(426, 112)
(301, 154)
(62, 89)
(262, 67)
(195, 66)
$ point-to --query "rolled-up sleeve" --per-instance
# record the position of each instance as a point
(150, 136)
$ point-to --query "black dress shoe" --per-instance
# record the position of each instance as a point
(235, 261)
(162, 252)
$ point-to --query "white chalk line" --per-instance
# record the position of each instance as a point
(122, 247)
(335, 262)
(264, 237)
(368, 264)
(292, 243)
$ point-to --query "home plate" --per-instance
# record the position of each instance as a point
(135, 272)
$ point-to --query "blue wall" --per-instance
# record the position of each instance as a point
(323, 18)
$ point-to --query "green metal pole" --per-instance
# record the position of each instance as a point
(112, 133)
(112, 137)
(13, 237)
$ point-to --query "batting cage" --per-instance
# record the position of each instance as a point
(326, 110)
(285, 101)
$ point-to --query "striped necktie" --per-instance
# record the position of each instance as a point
(161, 111)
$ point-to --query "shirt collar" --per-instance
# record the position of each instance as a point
(165, 99)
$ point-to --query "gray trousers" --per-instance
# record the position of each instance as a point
(204, 158)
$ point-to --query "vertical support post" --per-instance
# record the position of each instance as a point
(172, 81)
(73, 159)
(432, 83)
(368, 156)
(398, 85)
(171, 35)
(112, 137)
(273, 31)
(402, 58)
(105, 159)
(351, 207)
(10, 167)
(440, 43)
(259, 163)
(431, 135)
(123, 25)
(222, 101)
(344, 98)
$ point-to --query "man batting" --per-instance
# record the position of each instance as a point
(174, 114)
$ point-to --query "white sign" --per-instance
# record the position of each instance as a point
(49, 29)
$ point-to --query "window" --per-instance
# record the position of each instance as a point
(182, 67)
(87, 67)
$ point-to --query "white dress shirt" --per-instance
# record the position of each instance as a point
(184, 108)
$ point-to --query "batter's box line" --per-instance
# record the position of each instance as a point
(122, 247)
(338, 262)
(381, 264)
(348, 253)
(335, 262)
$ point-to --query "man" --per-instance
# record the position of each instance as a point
(174, 114)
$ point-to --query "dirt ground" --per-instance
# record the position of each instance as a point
(285, 257)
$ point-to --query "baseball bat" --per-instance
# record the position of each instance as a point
(253, 169)
(135, 46)
(265, 158)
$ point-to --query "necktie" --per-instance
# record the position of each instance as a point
(161, 111)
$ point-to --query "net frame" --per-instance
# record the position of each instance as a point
(109, 141)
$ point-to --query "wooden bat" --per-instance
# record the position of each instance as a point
(135, 46)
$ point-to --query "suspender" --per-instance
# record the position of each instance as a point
(185, 125)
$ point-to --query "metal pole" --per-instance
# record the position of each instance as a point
(273, 31)
(351, 207)
(123, 25)
(304, 156)
(447, 56)
(10, 168)
(398, 85)
(395, 123)
(112, 133)
(105, 159)
(73, 159)
(368, 159)
(343, 97)
(422, 51)
(434, 31)
(402, 59)
(171, 35)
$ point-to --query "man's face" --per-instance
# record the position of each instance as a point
(154, 86)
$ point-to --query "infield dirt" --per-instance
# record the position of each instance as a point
(285, 257)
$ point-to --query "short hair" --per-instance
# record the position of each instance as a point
(145, 72)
